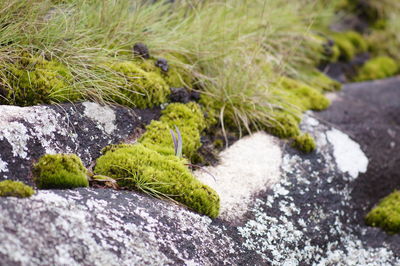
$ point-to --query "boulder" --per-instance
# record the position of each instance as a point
(26, 133)
(278, 205)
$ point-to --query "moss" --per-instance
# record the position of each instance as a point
(301, 95)
(349, 44)
(386, 214)
(18, 189)
(139, 167)
(284, 125)
(146, 85)
(141, 88)
(384, 43)
(357, 40)
(151, 165)
(377, 68)
(304, 143)
(60, 171)
(345, 47)
(190, 121)
(322, 46)
(296, 97)
(35, 80)
(322, 82)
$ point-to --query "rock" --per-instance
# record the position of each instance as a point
(141, 50)
(183, 95)
(369, 112)
(162, 64)
(26, 133)
(180, 95)
(283, 208)
(300, 212)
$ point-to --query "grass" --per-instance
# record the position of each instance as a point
(233, 62)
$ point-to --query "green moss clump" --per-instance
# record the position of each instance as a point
(144, 85)
(386, 214)
(188, 118)
(142, 88)
(138, 167)
(284, 124)
(17, 189)
(60, 171)
(35, 80)
(349, 44)
(304, 143)
(296, 97)
(322, 82)
(151, 165)
(377, 68)
(302, 96)
(175, 77)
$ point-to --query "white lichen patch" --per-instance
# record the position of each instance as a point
(300, 219)
(355, 253)
(348, 154)
(104, 116)
(3, 166)
(86, 229)
(16, 135)
(249, 166)
(43, 125)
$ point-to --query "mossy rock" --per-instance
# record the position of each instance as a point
(189, 120)
(60, 171)
(140, 168)
(35, 80)
(386, 214)
(9, 188)
(377, 68)
(304, 143)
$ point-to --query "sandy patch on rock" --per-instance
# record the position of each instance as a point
(249, 166)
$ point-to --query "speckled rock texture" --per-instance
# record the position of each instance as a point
(26, 133)
(304, 218)
(307, 211)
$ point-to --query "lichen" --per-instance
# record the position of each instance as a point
(35, 80)
(9, 188)
(189, 120)
(304, 143)
(377, 68)
(386, 214)
(60, 171)
(141, 168)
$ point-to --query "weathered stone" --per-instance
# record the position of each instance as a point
(303, 210)
(26, 133)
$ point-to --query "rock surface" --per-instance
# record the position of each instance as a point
(311, 214)
(26, 133)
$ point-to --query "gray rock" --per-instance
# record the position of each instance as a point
(308, 216)
(26, 133)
